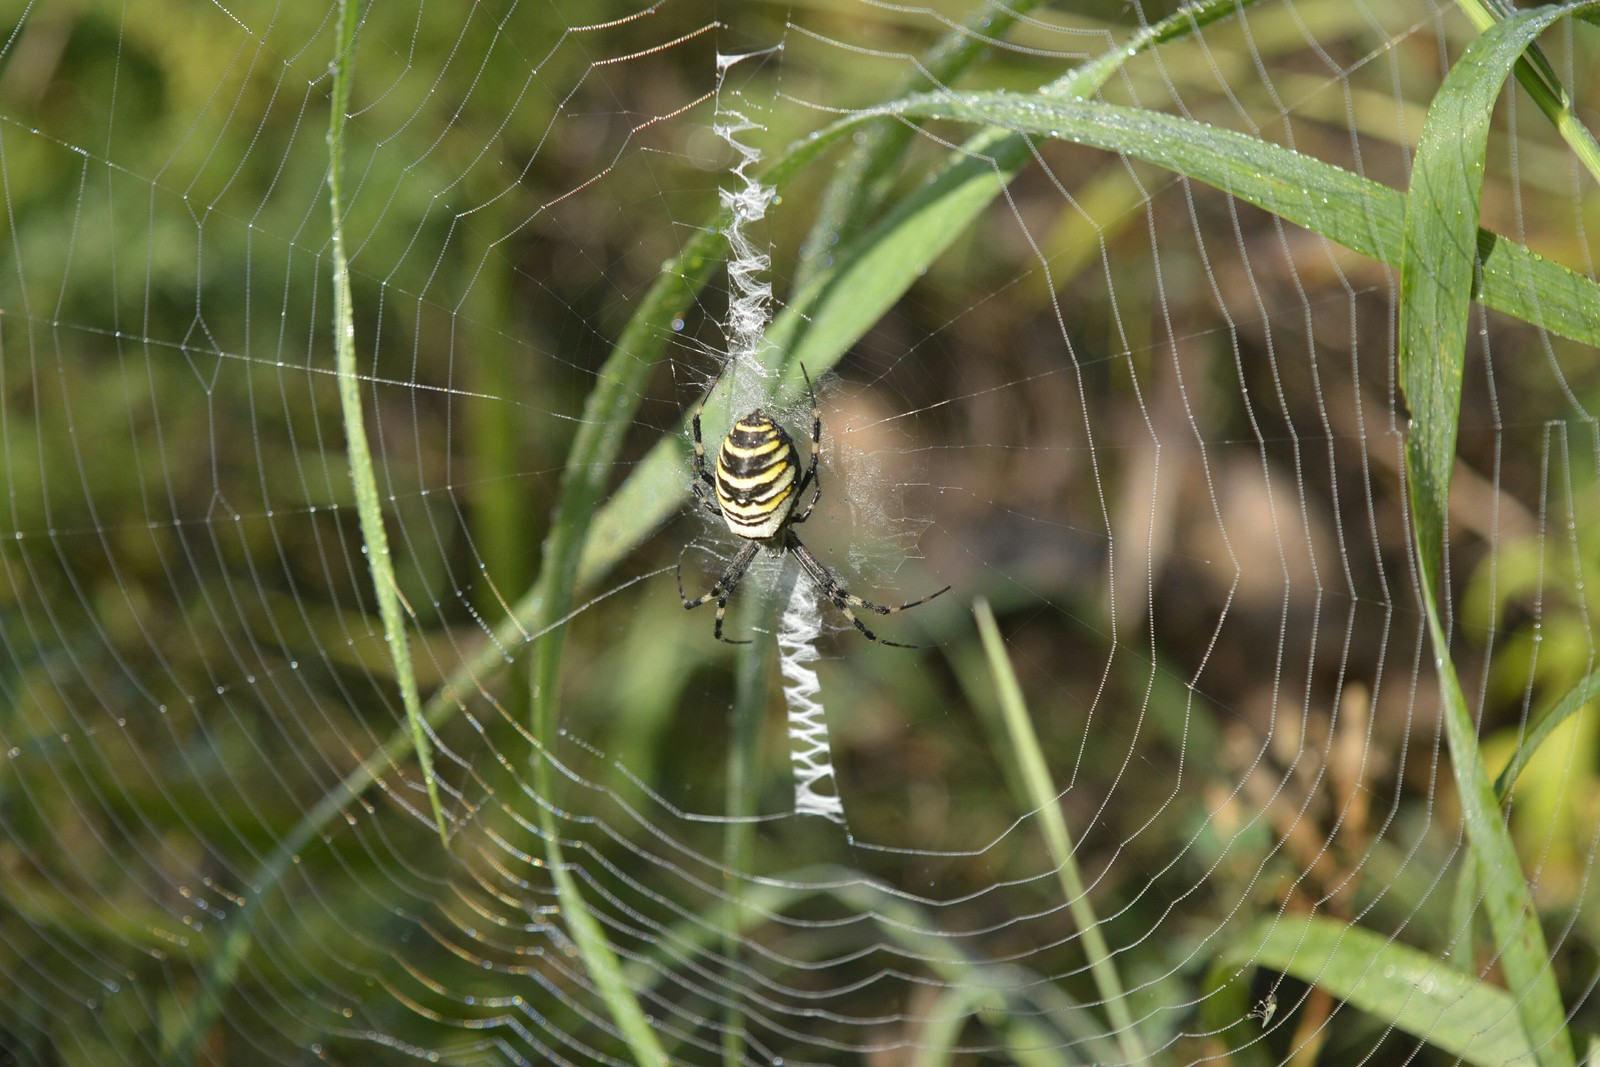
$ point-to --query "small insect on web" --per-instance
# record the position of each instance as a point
(1265, 1009)
(755, 491)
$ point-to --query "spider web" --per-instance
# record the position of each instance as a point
(1157, 430)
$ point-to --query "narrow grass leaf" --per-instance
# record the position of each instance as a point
(608, 413)
(873, 272)
(1569, 705)
(595, 436)
(1359, 213)
(1344, 207)
(1436, 291)
(822, 321)
(864, 178)
(375, 540)
(1043, 798)
(1539, 78)
(836, 306)
(1411, 990)
(179, 1045)
(752, 683)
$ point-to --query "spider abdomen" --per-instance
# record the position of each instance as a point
(756, 471)
(758, 481)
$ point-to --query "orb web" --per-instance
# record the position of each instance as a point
(1082, 353)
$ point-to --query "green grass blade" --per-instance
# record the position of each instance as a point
(1436, 291)
(1523, 954)
(1569, 705)
(1412, 990)
(642, 341)
(823, 320)
(607, 415)
(864, 179)
(1043, 798)
(1438, 255)
(600, 961)
(1539, 78)
(1356, 212)
(239, 937)
(752, 683)
(1030, 1013)
(862, 184)
(1310, 193)
(362, 475)
(870, 274)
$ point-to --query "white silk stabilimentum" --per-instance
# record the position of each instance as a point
(809, 751)
(750, 293)
(749, 311)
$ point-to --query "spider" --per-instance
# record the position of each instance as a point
(755, 490)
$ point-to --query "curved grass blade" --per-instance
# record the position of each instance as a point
(1043, 797)
(836, 307)
(845, 300)
(1363, 215)
(1411, 990)
(1436, 291)
(181, 1044)
(1569, 705)
(642, 341)
(607, 415)
(1539, 78)
(362, 474)
(861, 184)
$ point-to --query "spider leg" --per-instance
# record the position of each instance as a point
(702, 477)
(721, 590)
(843, 599)
(703, 495)
(811, 477)
(701, 482)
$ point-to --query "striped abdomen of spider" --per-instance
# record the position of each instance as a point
(755, 490)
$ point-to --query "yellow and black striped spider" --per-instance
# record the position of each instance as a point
(755, 490)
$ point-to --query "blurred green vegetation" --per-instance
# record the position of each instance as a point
(1241, 710)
